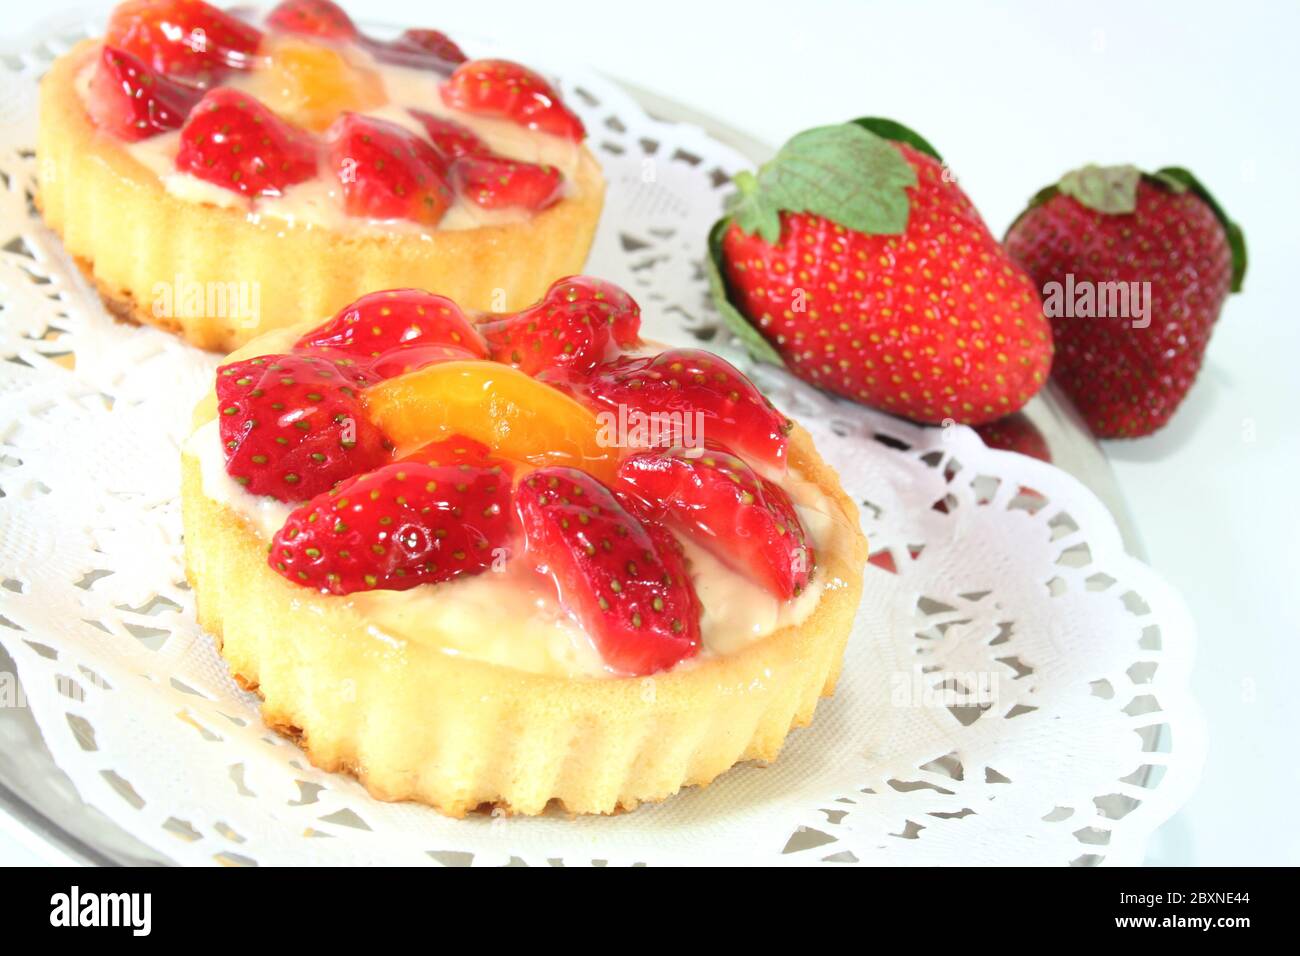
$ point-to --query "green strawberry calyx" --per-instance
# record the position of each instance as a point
(1112, 190)
(851, 174)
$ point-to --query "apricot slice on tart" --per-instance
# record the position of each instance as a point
(311, 84)
(516, 416)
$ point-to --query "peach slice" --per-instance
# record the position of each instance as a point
(310, 84)
(517, 416)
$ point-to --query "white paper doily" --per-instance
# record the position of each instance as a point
(1016, 690)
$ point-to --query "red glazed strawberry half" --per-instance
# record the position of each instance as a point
(745, 520)
(702, 393)
(132, 102)
(403, 525)
(510, 91)
(854, 258)
(291, 425)
(185, 39)
(580, 322)
(386, 171)
(233, 141)
(314, 18)
(626, 582)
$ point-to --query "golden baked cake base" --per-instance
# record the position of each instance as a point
(414, 723)
(129, 235)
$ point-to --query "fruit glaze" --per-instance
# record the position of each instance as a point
(302, 118)
(539, 490)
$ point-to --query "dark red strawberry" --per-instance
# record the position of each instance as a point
(403, 525)
(394, 321)
(494, 182)
(1015, 433)
(627, 586)
(678, 383)
(292, 426)
(315, 18)
(232, 140)
(449, 138)
(856, 259)
(1134, 269)
(183, 38)
(386, 171)
(577, 324)
(510, 91)
(132, 102)
(745, 520)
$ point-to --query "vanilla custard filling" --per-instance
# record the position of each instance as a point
(512, 617)
(318, 202)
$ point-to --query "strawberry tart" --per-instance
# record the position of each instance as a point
(192, 160)
(515, 560)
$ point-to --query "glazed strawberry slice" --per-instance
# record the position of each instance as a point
(456, 450)
(412, 358)
(449, 137)
(291, 426)
(132, 102)
(626, 584)
(575, 326)
(401, 526)
(507, 90)
(494, 182)
(694, 391)
(314, 18)
(183, 38)
(387, 324)
(420, 49)
(745, 520)
(233, 141)
(386, 171)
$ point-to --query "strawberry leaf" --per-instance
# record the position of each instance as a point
(847, 174)
(1107, 189)
(892, 129)
(753, 341)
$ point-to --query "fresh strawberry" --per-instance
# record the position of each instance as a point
(1135, 269)
(449, 138)
(132, 102)
(576, 325)
(679, 383)
(386, 171)
(232, 140)
(292, 426)
(854, 258)
(494, 182)
(507, 90)
(625, 583)
(1015, 433)
(183, 38)
(394, 322)
(403, 525)
(745, 520)
(316, 18)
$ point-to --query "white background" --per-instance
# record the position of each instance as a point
(1013, 95)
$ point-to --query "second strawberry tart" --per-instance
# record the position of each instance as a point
(220, 176)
